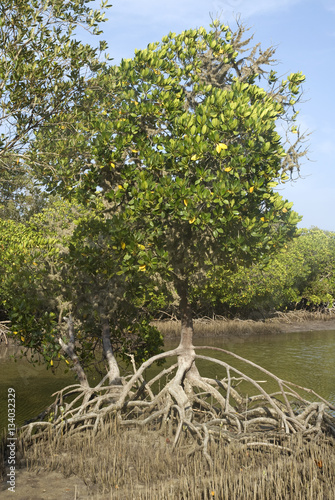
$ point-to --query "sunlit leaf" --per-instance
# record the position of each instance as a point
(220, 147)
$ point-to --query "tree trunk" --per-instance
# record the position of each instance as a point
(186, 349)
(181, 386)
(69, 349)
(113, 369)
(186, 333)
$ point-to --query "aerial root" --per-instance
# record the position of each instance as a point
(204, 410)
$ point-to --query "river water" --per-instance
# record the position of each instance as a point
(305, 358)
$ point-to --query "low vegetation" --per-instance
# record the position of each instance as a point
(127, 465)
(237, 328)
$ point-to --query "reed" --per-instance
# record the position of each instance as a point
(302, 316)
(132, 465)
(217, 328)
(170, 329)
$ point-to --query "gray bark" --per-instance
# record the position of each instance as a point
(69, 349)
(113, 368)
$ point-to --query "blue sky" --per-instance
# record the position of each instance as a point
(303, 32)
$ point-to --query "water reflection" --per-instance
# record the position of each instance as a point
(33, 385)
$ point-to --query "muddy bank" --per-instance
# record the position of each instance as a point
(42, 485)
(308, 326)
(232, 329)
(138, 465)
(142, 465)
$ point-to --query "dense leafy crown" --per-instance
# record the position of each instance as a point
(42, 66)
(175, 153)
(182, 145)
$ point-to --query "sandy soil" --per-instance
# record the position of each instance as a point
(46, 486)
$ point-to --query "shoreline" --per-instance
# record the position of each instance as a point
(239, 328)
(243, 329)
(308, 326)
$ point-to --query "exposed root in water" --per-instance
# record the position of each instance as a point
(179, 402)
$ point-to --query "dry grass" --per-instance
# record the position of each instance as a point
(217, 328)
(170, 329)
(302, 316)
(129, 465)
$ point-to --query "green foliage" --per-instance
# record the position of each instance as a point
(171, 160)
(185, 154)
(62, 262)
(23, 276)
(20, 195)
(301, 275)
(42, 68)
(313, 261)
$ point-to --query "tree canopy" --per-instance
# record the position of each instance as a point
(185, 154)
(44, 70)
(300, 276)
(60, 286)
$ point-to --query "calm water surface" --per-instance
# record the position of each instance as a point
(306, 358)
(33, 385)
